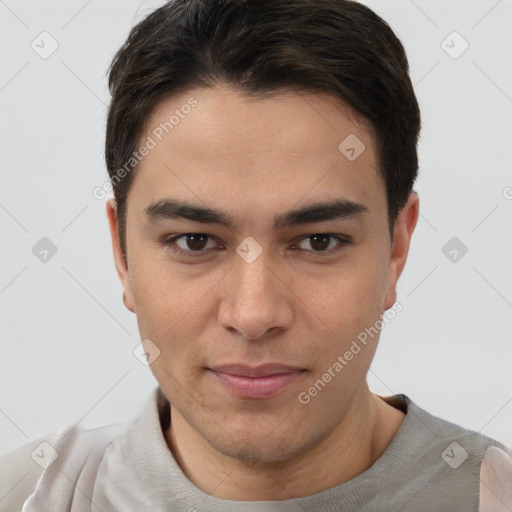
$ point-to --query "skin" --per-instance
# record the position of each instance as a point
(495, 480)
(254, 159)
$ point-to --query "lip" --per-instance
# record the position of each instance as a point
(256, 382)
(262, 370)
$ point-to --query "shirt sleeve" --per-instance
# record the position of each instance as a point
(20, 470)
(496, 480)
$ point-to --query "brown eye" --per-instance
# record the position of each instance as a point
(323, 243)
(320, 242)
(195, 241)
(189, 244)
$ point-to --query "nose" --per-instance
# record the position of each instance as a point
(256, 299)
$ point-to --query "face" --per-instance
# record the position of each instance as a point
(282, 258)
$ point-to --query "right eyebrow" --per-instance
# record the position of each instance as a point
(174, 209)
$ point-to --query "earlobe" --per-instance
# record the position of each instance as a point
(403, 230)
(120, 263)
(128, 304)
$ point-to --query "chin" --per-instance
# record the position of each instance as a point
(261, 448)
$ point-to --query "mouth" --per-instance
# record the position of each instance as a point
(258, 382)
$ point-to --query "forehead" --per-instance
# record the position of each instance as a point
(221, 145)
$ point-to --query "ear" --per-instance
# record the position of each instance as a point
(402, 234)
(121, 264)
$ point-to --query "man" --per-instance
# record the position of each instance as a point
(263, 157)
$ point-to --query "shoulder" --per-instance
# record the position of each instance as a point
(465, 468)
(21, 468)
(496, 480)
(41, 463)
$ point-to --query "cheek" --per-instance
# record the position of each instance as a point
(346, 307)
(158, 303)
(171, 314)
(162, 292)
(172, 308)
(350, 308)
(346, 298)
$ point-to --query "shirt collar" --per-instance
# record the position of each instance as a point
(139, 472)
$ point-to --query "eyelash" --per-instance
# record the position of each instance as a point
(169, 242)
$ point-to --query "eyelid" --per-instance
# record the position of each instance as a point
(169, 241)
(341, 239)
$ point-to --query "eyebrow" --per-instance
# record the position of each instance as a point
(317, 212)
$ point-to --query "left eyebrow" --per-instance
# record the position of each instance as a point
(321, 212)
(316, 212)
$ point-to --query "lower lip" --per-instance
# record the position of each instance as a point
(256, 387)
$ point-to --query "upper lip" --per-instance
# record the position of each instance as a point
(262, 370)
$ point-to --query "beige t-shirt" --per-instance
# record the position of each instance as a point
(430, 465)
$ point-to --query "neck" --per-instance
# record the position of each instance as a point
(356, 443)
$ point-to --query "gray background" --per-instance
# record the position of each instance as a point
(66, 338)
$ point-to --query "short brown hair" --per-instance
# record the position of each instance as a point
(260, 46)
